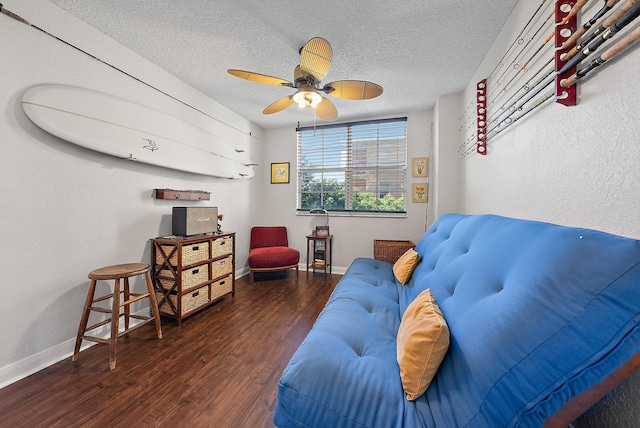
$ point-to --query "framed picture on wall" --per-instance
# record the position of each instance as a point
(419, 192)
(322, 231)
(419, 167)
(280, 173)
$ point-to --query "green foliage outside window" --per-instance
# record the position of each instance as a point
(334, 198)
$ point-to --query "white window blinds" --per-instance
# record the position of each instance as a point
(359, 167)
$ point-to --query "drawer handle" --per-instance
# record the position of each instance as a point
(196, 294)
(221, 282)
(195, 271)
(195, 248)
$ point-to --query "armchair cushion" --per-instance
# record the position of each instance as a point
(271, 257)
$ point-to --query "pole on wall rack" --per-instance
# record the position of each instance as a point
(606, 56)
(564, 28)
(481, 103)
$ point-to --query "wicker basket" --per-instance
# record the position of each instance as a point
(190, 277)
(221, 287)
(390, 251)
(191, 254)
(221, 267)
(221, 246)
(190, 300)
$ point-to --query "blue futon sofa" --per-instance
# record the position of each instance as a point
(537, 314)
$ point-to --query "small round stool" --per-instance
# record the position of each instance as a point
(116, 272)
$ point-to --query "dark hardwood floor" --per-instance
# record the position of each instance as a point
(220, 369)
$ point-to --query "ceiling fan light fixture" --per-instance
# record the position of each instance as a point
(315, 61)
(307, 98)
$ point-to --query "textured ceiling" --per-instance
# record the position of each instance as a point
(416, 49)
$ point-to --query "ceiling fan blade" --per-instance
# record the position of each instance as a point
(353, 89)
(326, 110)
(260, 78)
(279, 105)
(297, 74)
(315, 58)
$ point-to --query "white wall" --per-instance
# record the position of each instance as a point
(576, 166)
(446, 168)
(353, 236)
(66, 210)
(570, 165)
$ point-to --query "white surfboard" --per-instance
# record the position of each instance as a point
(128, 130)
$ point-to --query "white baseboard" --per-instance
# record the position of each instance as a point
(34, 363)
(338, 270)
(242, 272)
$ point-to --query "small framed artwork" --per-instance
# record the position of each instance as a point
(322, 230)
(419, 192)
(280, 173)
(419, 167)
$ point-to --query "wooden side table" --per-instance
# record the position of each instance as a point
(324, 263)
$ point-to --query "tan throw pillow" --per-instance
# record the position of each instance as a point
(423, 340)
(404, 266)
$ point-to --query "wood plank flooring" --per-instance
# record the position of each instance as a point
(220, 369)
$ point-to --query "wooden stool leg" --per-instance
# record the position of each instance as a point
(154, 304)
(127, 308)
(84, 320)
(115, 317)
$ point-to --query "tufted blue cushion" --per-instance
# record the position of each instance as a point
(349, 352)
(537, 313)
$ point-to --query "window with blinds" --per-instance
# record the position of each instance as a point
(353, 167)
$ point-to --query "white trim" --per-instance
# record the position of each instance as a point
(34, 363)
(242, 272)
(338, 270)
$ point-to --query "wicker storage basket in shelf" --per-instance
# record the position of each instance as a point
(390, 251)
(190, 300)
(221, 246)
(221, 266)
(191, 254)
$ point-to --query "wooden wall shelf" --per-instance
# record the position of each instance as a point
(185, 195)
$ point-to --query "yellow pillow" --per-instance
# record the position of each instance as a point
(404, 266)
(423, 340)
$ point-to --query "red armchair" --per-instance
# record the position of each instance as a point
(269, 251)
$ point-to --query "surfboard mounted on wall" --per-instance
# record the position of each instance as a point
(128, 130)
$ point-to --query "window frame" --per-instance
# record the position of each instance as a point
(351, 169)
